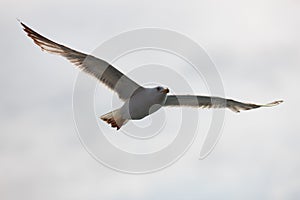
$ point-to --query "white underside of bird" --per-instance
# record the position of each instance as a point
(139, 101)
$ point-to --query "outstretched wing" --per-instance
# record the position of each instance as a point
(212, 102)
(96, 67)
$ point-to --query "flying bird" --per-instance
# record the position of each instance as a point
(139, 101)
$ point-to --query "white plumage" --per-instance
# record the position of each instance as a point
(139, 101)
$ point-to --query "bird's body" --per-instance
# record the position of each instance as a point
(139, 101)
(142, 103)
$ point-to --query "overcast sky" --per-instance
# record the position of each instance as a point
(255, 46)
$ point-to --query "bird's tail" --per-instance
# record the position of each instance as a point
(114, 118)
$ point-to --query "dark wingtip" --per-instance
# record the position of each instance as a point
(274, 103)
(24, 26)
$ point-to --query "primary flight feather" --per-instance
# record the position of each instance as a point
(139, 101)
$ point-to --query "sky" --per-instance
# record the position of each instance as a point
(255, 47)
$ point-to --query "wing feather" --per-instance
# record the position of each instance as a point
(96, 67)
(212, 102)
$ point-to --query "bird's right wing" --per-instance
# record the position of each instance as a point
(96, 67)
(212, 102)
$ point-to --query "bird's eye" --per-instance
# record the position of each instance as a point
(158, 88)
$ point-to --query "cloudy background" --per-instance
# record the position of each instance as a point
(255, 47)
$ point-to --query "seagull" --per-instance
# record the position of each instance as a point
(139, 101)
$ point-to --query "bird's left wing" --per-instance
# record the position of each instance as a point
(212, 102)
(96, 67)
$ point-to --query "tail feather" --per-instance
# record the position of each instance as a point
(114, 118)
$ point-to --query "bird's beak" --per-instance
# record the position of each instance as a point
(165, 91)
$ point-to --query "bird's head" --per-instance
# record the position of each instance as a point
(161, 90)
